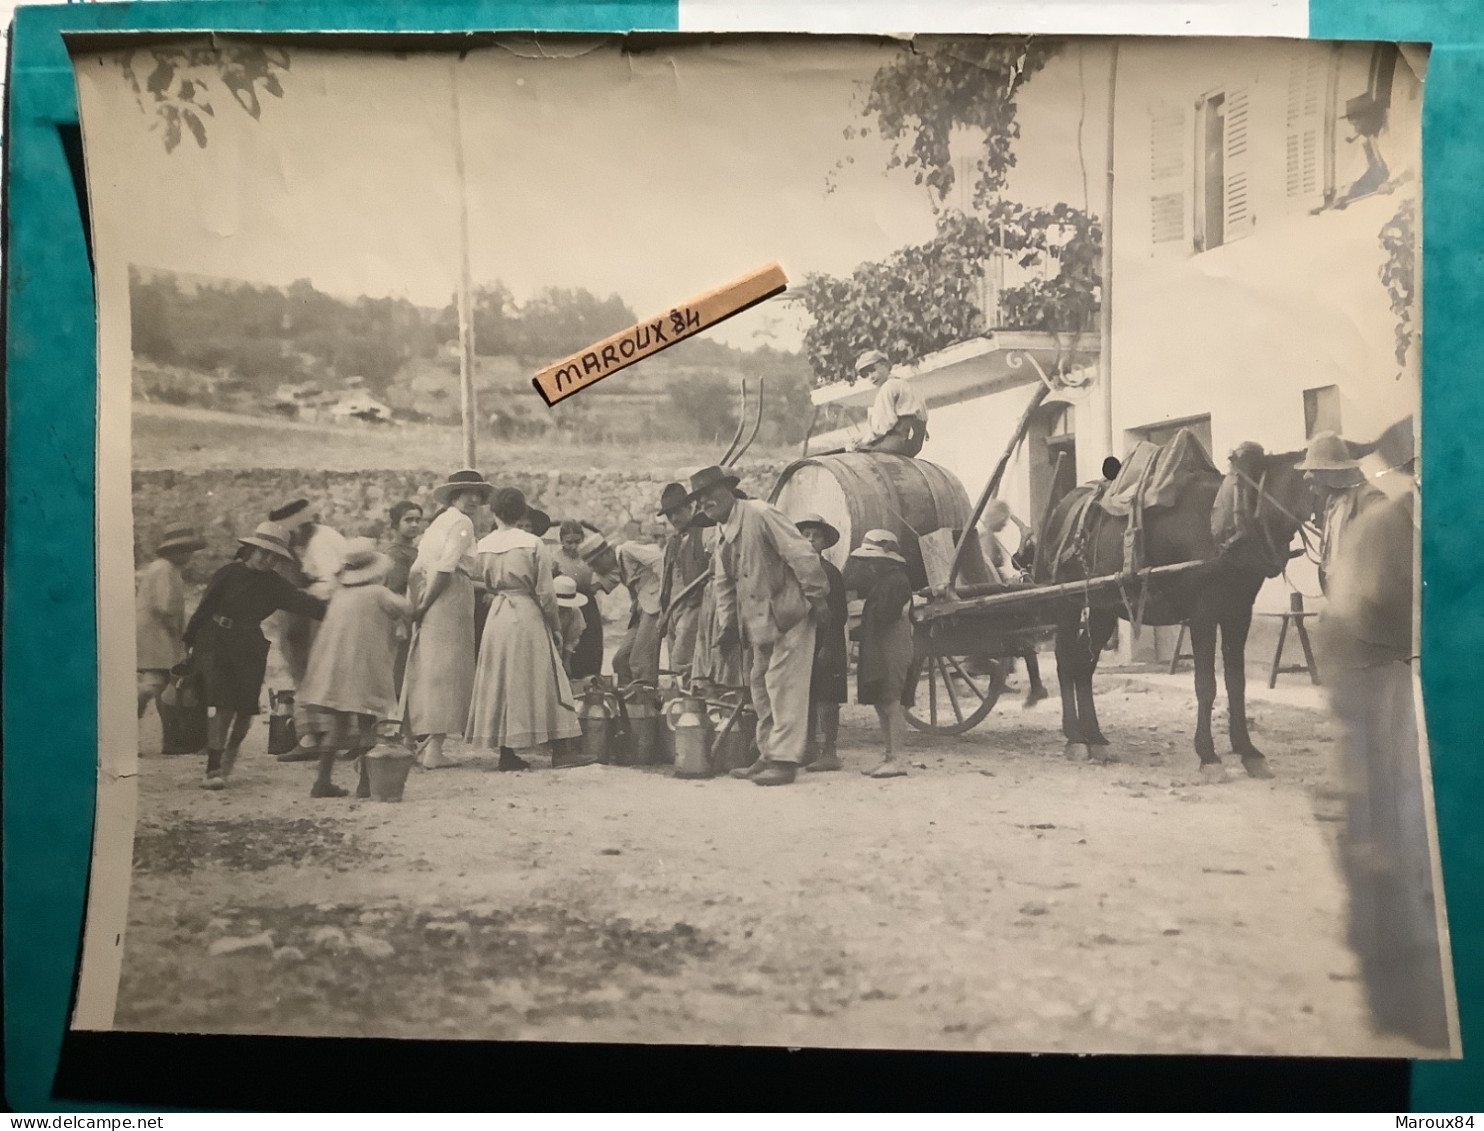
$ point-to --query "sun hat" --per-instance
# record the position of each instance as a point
(465, 480)
(709, 477)
(879, 544)
(539, 519)
(1327, 452)
(270, 536)
(566, 593)
(591, 546)
(364, 564)
(831, 534)
(868, 359)
(292, 515)
(180, 538)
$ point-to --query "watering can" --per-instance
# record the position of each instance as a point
(689, 726)
(599, 717)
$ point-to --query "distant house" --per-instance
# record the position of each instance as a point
(360, 405)
(1252, 187)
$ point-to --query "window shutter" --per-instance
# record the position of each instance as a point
(1169, 178)
(1305, 124)
(1237, 191)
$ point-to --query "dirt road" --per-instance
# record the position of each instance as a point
(999, 898)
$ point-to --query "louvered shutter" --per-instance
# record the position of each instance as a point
(1169, 177)
(1236, 166)
(1304, 132)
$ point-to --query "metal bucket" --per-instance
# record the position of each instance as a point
(386, 771)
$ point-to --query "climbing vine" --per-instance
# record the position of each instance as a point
(1399, 273)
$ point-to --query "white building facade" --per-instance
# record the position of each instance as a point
(1253, 182)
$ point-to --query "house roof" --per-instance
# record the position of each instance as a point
(975, 368)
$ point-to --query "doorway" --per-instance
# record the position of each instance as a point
(1052, 452)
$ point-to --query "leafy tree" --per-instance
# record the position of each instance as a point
(1399, 272)
(706, 402)
(181, 85)
(559, 321)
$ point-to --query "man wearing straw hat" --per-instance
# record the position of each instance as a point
(686, 562)
(1341, 493)
(159, 611)
(438, 684)
(897, 421)
(637, 567)
(771, 591)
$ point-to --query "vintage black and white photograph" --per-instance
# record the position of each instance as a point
(1002, 639)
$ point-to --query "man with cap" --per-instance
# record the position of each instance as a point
(771, 592)
(827, 681)
(159, 611)
(686, 561)
(897, 421)
(637, 566)
(318, 554)
(1341, 493)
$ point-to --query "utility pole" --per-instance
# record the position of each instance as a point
(1105, 312)
(465, 297)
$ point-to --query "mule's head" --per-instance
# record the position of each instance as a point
(1272, 499)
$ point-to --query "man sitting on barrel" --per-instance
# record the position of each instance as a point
(897, 422)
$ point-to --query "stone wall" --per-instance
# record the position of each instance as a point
(225, 505)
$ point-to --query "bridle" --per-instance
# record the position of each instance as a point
(1301, 527)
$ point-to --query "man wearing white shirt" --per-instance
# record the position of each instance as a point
(897, 422)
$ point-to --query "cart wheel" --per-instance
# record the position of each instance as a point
(951, 700)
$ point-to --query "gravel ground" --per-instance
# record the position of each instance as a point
(999, 897)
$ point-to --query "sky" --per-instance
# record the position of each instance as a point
(654, 176)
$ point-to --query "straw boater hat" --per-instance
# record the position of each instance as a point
(180, 538)
(270, 536)
(879, 544)
(566, 593)
(592, 545)
(868, 359)
(465, 480)
(364, 564)
(293, 515)
(815, 520)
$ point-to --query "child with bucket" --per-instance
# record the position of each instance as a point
(349, 685)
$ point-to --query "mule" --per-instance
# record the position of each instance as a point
(1220, 600)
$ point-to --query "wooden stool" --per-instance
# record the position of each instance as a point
(1180, 653)
(1295, 616)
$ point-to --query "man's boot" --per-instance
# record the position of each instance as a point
(777, 773)
(748, 773)
(213, 779)
(829, 728)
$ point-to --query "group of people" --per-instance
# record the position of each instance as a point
(446, 633)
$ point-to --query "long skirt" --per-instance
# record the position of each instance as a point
(885, 665)
(439, 680)
(295, 638)
(232, 663)
(522, 697)
(588, 658)
(335, 730)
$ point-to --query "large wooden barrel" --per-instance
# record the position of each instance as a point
(861, 491)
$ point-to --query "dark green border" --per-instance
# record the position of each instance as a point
(49, 647)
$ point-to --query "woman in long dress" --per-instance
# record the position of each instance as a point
(587, 657)
(439, 679)
(522, 697)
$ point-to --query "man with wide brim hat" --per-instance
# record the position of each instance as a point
(350, 685)
(159, 618)
(438, 681)
(771, 592)
(897, 420)
(687, 561)
(1340, 490)
(828, 681)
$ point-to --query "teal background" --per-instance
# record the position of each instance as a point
(49, 647)
(1453, 469)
